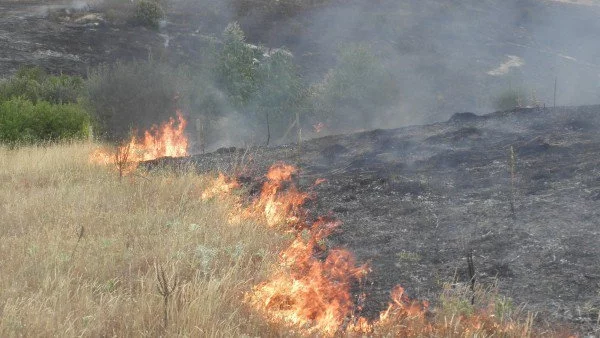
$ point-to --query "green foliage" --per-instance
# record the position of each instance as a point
(260, 84)
(130, 95)
(149, 13)
(237, 65)
(22, 121)
(510, 99)
(36, 85)
(280, 90)
(356, 88)
(278, 81)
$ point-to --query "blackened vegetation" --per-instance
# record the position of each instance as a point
(412, 199)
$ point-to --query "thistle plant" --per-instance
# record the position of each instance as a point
(166, 289)
(512, 167)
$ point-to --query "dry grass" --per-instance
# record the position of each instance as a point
(85, 253)
(106, 285)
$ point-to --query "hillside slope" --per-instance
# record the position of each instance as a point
(414, 201)
(445, 56)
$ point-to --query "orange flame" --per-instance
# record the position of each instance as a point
(318, 127)
(308, 292)
(310, 288)
(167, 140)
(277, 204)
(220, 186)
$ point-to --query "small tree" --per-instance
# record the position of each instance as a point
(280, 88)
(356, 88)
(237, 65)
(149, 13)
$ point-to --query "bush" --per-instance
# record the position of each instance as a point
(511, 99)
(36, 85)
(355, 89)
(132, 95)
(22, 121)
(149, 13)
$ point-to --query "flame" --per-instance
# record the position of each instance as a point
(220, 186)
(318, 127)
(277, 204)
(308, 292)
(319, 181)
(167, 140)
(309, 289)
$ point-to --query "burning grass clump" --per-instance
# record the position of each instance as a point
(455, 315)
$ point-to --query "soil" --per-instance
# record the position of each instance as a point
(414, 201)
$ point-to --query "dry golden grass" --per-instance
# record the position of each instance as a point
(80, 249)
(106, 285)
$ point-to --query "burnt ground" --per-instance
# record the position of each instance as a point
(62, 38)
(415, 200)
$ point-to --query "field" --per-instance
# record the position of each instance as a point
(81, 248)
(89, 253)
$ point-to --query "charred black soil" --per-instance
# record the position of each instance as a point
(415, 200)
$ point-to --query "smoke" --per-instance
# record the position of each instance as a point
(442, 57)
(452, 56)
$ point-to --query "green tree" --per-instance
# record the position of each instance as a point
(356, 88)
(280, 90)
(237, 64)
(34, 84)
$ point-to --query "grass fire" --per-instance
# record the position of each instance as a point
(166, 140)
(299, 168)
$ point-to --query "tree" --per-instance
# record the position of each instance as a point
(280, 88)
(237, 66)
(356, 88)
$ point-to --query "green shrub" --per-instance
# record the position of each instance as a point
(356, 89)
(511, 99)
(22, 121)
(149, 13)
(132, 95)
(36, 85)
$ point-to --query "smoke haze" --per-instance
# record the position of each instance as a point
(442, 52)
(439, 57)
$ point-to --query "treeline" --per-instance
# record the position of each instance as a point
(238, 92)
